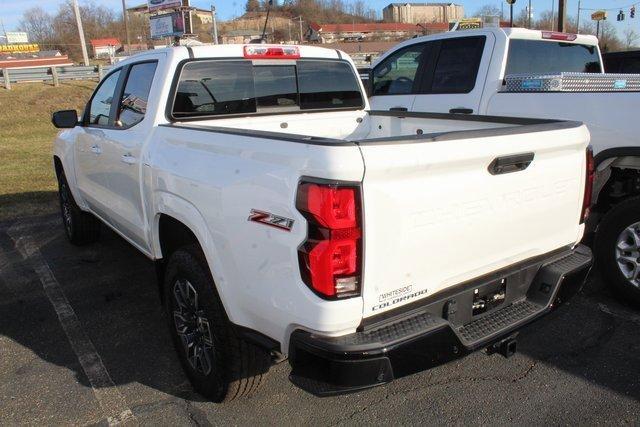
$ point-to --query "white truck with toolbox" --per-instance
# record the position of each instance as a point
(287, 219)
(527, 73)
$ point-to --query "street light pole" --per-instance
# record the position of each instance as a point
(126, 26)
(76, 11)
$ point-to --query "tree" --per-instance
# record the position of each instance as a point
(253, 6)
(488, 10)
(38, 24)
(630, 37)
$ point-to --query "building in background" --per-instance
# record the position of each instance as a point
(105, 48)
(26, 59)
(143, 10)
(414, 13)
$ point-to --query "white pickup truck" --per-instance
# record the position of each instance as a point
(287, 219)
(527, 73)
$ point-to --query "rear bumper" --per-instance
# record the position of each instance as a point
(436, 332)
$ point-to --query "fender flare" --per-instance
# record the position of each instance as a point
(616, 152)
(603, 176)
(182, 210)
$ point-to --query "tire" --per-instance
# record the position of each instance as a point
(220, 365)
(80, 227)
(617, 249)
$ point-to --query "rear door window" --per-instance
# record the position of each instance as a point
(456, 68)
(550, 57)
(136, 94)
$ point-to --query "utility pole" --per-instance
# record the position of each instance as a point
(300, 19)
(76, 10)
(528, 14)
(215, 24)
(578, 22)
(264, 29)
(126, 26)
(553, 13)
(562, 15)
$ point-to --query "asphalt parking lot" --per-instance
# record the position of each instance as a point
(83, 341)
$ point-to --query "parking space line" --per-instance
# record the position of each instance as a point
(111, 402)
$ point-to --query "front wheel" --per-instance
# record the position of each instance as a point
(220, 365)
(617, 249)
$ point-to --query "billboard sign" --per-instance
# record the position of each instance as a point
(14, 37)
(163, 4)
(166, 25)
(599, 15)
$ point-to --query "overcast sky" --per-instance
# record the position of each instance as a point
(11, 10)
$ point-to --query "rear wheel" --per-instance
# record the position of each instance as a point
(80, 227)
(617, 248)
(220, 365)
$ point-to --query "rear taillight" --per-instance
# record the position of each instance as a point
(331, 257)
(588, 186)
(554, 35)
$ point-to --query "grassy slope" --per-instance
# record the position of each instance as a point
(27, 180)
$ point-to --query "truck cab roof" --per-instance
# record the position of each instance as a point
(235, 51)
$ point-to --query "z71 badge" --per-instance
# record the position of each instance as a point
(270, 219)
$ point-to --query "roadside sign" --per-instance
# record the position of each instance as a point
(163, 4)
(15, 48)
(599, 15)
(511, 1)
(14, 37)
(469, 23)
(166, 25)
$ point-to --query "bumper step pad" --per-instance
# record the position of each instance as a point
(481, 329)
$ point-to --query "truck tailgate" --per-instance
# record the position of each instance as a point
(443, 210)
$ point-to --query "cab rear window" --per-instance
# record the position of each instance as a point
(550, 57)
(226, 87)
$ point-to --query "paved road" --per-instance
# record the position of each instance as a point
(83, 341)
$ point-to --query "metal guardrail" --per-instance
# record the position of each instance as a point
(55, 74)
(51, 74)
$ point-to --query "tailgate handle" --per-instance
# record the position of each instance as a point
(398, 109)
(508, 164)
(461, 110)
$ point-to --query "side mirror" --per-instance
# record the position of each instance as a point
(65, 119)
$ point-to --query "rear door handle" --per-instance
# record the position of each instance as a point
(461, 111)
(128, 159)
(95, 149)
(509, 164)
(398, 109)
